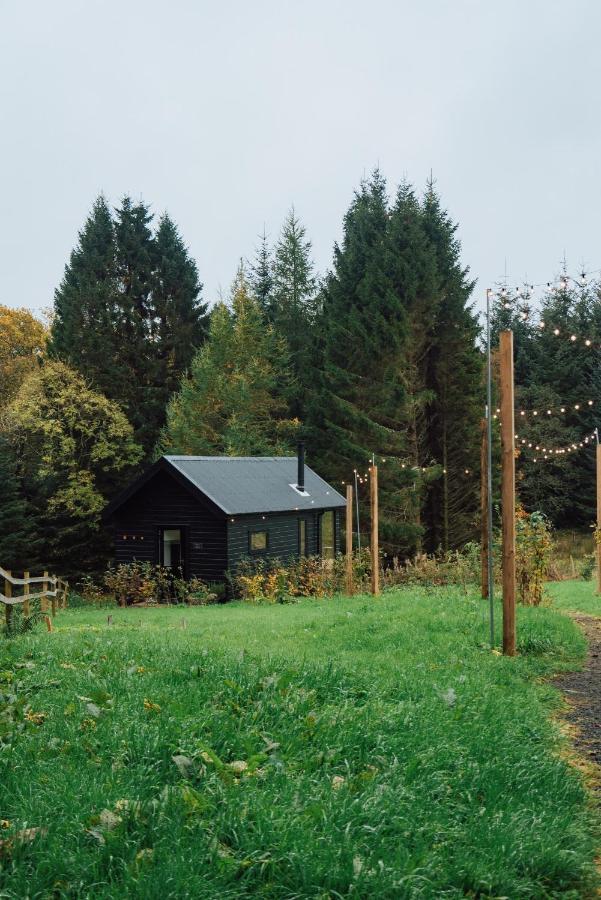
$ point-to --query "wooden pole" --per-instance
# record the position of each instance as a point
(26, 610)
(43, 598)
(375, 551)
(598, 516)
(484, 507)
(349, 539)
(508, 490)
(8, 592)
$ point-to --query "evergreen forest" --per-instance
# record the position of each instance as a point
(379, 358)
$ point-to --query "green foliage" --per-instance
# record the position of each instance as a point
(275, 580)
(554, 372)
(72, 444)
(20, 623)
(533, 554)
(401, 372)
(291, 306)
(128, 314)
(142, 582)
(261, 274)
(459, 567)
(357, 409)
(339, 748)
(233, 402)
(19, 541)
(454, 375)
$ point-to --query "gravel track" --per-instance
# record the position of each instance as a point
(583, 693)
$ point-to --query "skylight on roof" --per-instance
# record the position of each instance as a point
(301, 493)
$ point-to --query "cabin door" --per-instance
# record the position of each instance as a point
(171, 549)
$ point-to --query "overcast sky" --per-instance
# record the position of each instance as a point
(226, 113)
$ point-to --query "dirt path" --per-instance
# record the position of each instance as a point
(583, 693)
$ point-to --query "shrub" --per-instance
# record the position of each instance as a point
(141, 582)
(588, 566)
(534, 549)
(450, 567)
(89, 591)
(133, 582)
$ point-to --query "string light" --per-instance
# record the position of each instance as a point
(550, 411)
(549, 452)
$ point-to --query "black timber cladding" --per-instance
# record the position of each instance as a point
(217, 502)
(163, 503)
(283, 536)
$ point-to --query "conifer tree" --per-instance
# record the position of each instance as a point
(86, 317)
(128, 313)
(138, 385)
(291, 304)
(233, 400)
(414, 278)
(261, 275)
(561, 374)
(455, 376)
(19, 543)
(181, 319)
(358, 409)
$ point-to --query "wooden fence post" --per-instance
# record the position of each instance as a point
(508, 490)
(8, 592)
(375, 551)
(598, 516)
(349, 539)
(53, 598)
(484, 507)
(26, 610)
(43, 598)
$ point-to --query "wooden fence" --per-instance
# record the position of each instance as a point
(17, 592)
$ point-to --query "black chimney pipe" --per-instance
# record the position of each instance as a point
(300, 478)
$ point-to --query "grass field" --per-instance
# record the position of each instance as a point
(348, 747)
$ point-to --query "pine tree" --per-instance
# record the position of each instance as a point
(233, 400)
(19, 543)
(128, 313)
(358, 409)
(291, 306)
(139, 369)
(414, 278)
(562, 374)
(261, 275)
(455, 376)
(180, 318)
(84, 327)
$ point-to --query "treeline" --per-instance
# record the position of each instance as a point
(378, 359)
(557, 352)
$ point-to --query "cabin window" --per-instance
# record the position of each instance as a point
(171, 548)
(326, 535)
(257, 541)
(302, 537)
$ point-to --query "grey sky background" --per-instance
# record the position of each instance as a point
(225, 114)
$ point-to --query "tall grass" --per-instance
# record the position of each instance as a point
(350, 747)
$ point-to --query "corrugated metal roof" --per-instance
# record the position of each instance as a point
(256, 484)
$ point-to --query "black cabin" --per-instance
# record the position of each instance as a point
(206, 513)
